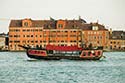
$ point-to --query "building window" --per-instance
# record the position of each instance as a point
(16, 41)
(28, 41)
(11, 41)
(94, 27)
(40, 35)
(94, 37)
(114, 42)
(44, 41)
(24, 30)
(31, 35)
(62, 41)
(60, 25)
(16, 35)
(32, 41)
(117, 42)
(74, 40)
(74, 31)
(24, 41)
(73, 35)
(28, 30)
(71, 41)
(40, 30)
(26, 24)
(28, 35)
(17, 30)
(36, 30)
(100, 37)
(10, 35)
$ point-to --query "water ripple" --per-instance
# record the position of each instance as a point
(15, 68)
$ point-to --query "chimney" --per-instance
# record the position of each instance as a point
(110, 31)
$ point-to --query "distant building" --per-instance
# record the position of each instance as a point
(117, 40)
(39, 33)
(95, 34)
(2, 40)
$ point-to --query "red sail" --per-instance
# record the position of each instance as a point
(63, 48)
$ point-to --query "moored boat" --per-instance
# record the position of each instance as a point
(52, 52)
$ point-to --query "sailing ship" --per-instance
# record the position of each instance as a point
(52, 52)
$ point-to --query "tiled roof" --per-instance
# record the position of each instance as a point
(44, 23)
(70, 24)
(2, 34)
(35, 23)
(118, 35)
(74, 24)
(15, 23)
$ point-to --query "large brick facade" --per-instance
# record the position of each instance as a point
(58, 32)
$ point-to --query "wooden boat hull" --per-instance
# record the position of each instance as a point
(61, 56)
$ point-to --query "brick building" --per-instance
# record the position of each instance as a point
(58, 32)
(93, 33)
(117, 40)
(3, 41)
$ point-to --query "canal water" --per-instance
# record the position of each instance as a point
(15, 67)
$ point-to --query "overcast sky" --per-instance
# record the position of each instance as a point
(110, 13)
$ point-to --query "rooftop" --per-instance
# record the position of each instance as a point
(118, 35)
(51, 24)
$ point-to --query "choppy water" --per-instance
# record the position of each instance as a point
(15, 68)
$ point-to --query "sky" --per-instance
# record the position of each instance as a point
(110, 13)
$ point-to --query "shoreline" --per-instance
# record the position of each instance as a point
(103, 51)
(113, 50)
